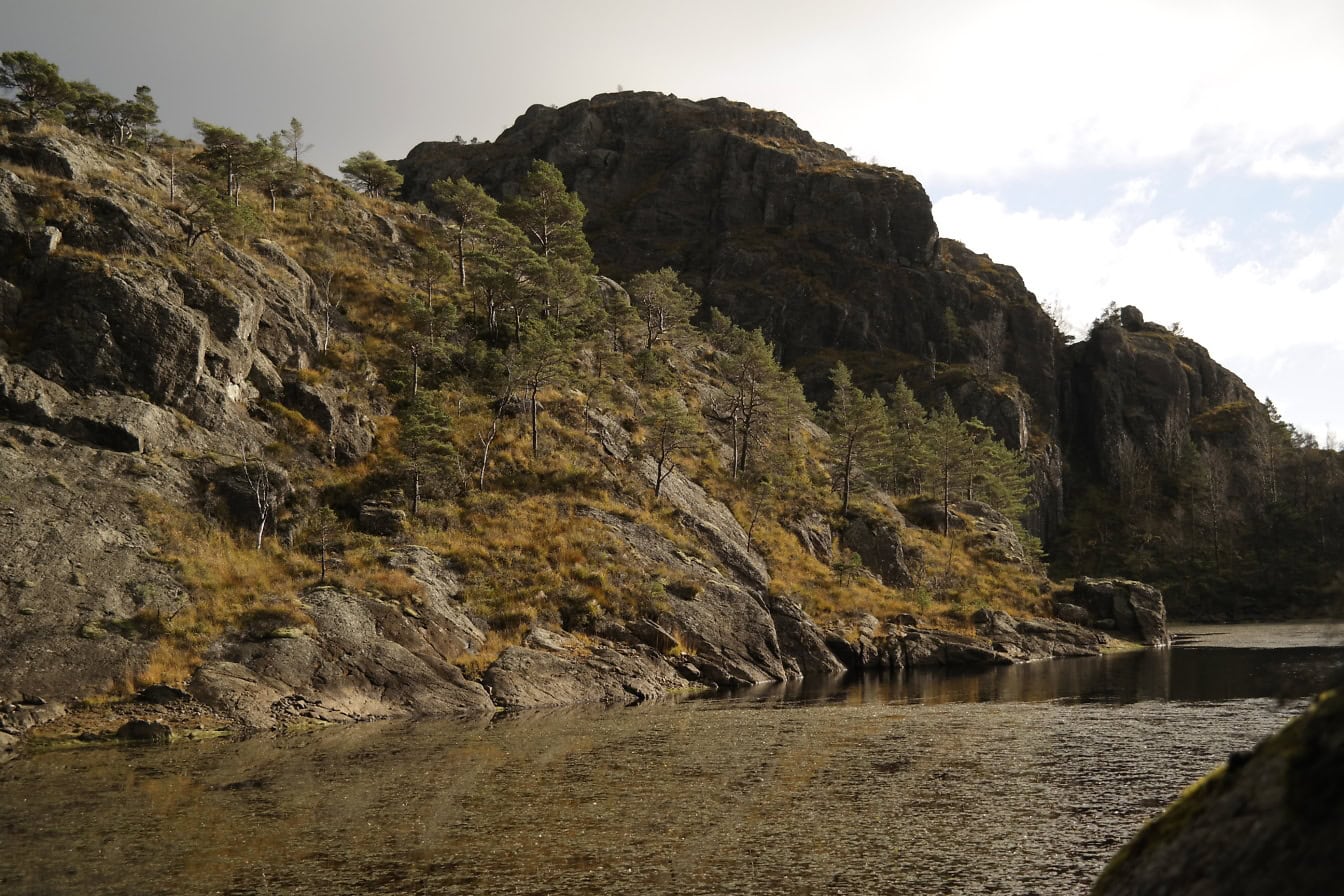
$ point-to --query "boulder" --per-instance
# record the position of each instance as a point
(360, 658)
(813, 532)
(878, 543)
(349, 431)
(141, 731)
(865, 644)
(801, 643)
(1133, 609)
(382, 516)
(932, 647)
(994, 534)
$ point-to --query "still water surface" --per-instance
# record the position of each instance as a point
(1017, 780)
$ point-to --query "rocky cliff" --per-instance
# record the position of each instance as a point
(823, 253)
(833, 258)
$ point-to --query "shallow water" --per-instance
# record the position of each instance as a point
(1016, 780)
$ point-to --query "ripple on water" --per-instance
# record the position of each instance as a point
(889, 791)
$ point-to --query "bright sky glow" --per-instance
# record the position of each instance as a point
(1184, 156)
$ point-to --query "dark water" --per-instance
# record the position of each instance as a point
(1017, 780)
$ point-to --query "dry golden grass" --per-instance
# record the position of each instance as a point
(231, 585)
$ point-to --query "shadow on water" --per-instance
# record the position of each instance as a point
(1201, 667)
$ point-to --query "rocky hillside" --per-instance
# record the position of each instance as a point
(1140, 441)
(311, 460)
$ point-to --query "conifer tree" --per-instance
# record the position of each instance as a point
(467, 208)
(550, 215)
(425, 441)
(371, 175)
(950, 449)
(663, 302)
(537, 361)
(904, 452)
(39, 90)
(670, 428)
(855, 422)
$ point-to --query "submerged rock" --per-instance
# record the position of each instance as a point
(142, 731)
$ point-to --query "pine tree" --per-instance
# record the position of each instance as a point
(39, 90)
(855, 422)
(670, 428)
(663, 302)
(467, 208)
(371, 175)
(425, 442)
(550, 215)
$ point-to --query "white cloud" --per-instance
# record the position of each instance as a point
(1137, 191)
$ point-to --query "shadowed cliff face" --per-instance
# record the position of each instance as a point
(781, 232)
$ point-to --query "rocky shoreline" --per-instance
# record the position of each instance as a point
(365, 659)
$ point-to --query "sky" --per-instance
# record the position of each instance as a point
(1185, 157)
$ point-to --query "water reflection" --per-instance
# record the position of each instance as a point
(1206, 665)
(1014, 780)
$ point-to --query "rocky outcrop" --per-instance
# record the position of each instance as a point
(1131, 609)
(802, 644)
(790, 235)
(1025, 640)
(111, 319)
(993, 533)
(525, 677)
(82, 593)
(877, 541)
(361, 658)
(999, 639)
(1266, 823)
(731, 631)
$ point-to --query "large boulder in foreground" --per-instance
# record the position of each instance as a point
(1131, 609)
(1262, 825)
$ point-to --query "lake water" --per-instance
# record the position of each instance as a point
(1017, 780)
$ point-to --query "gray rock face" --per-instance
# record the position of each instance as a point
(75, 552)
(996, 537)
(1132, 609)
(526, 677)
(999, 638)
(382, 516)
(725, 623)
(1023, 640)
(814, 533)
(878, 544)
(364, 658)
(802, 644)
(715, 523)
(865, 644)
(350, 432)
(1265, 824)
(932, 647)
